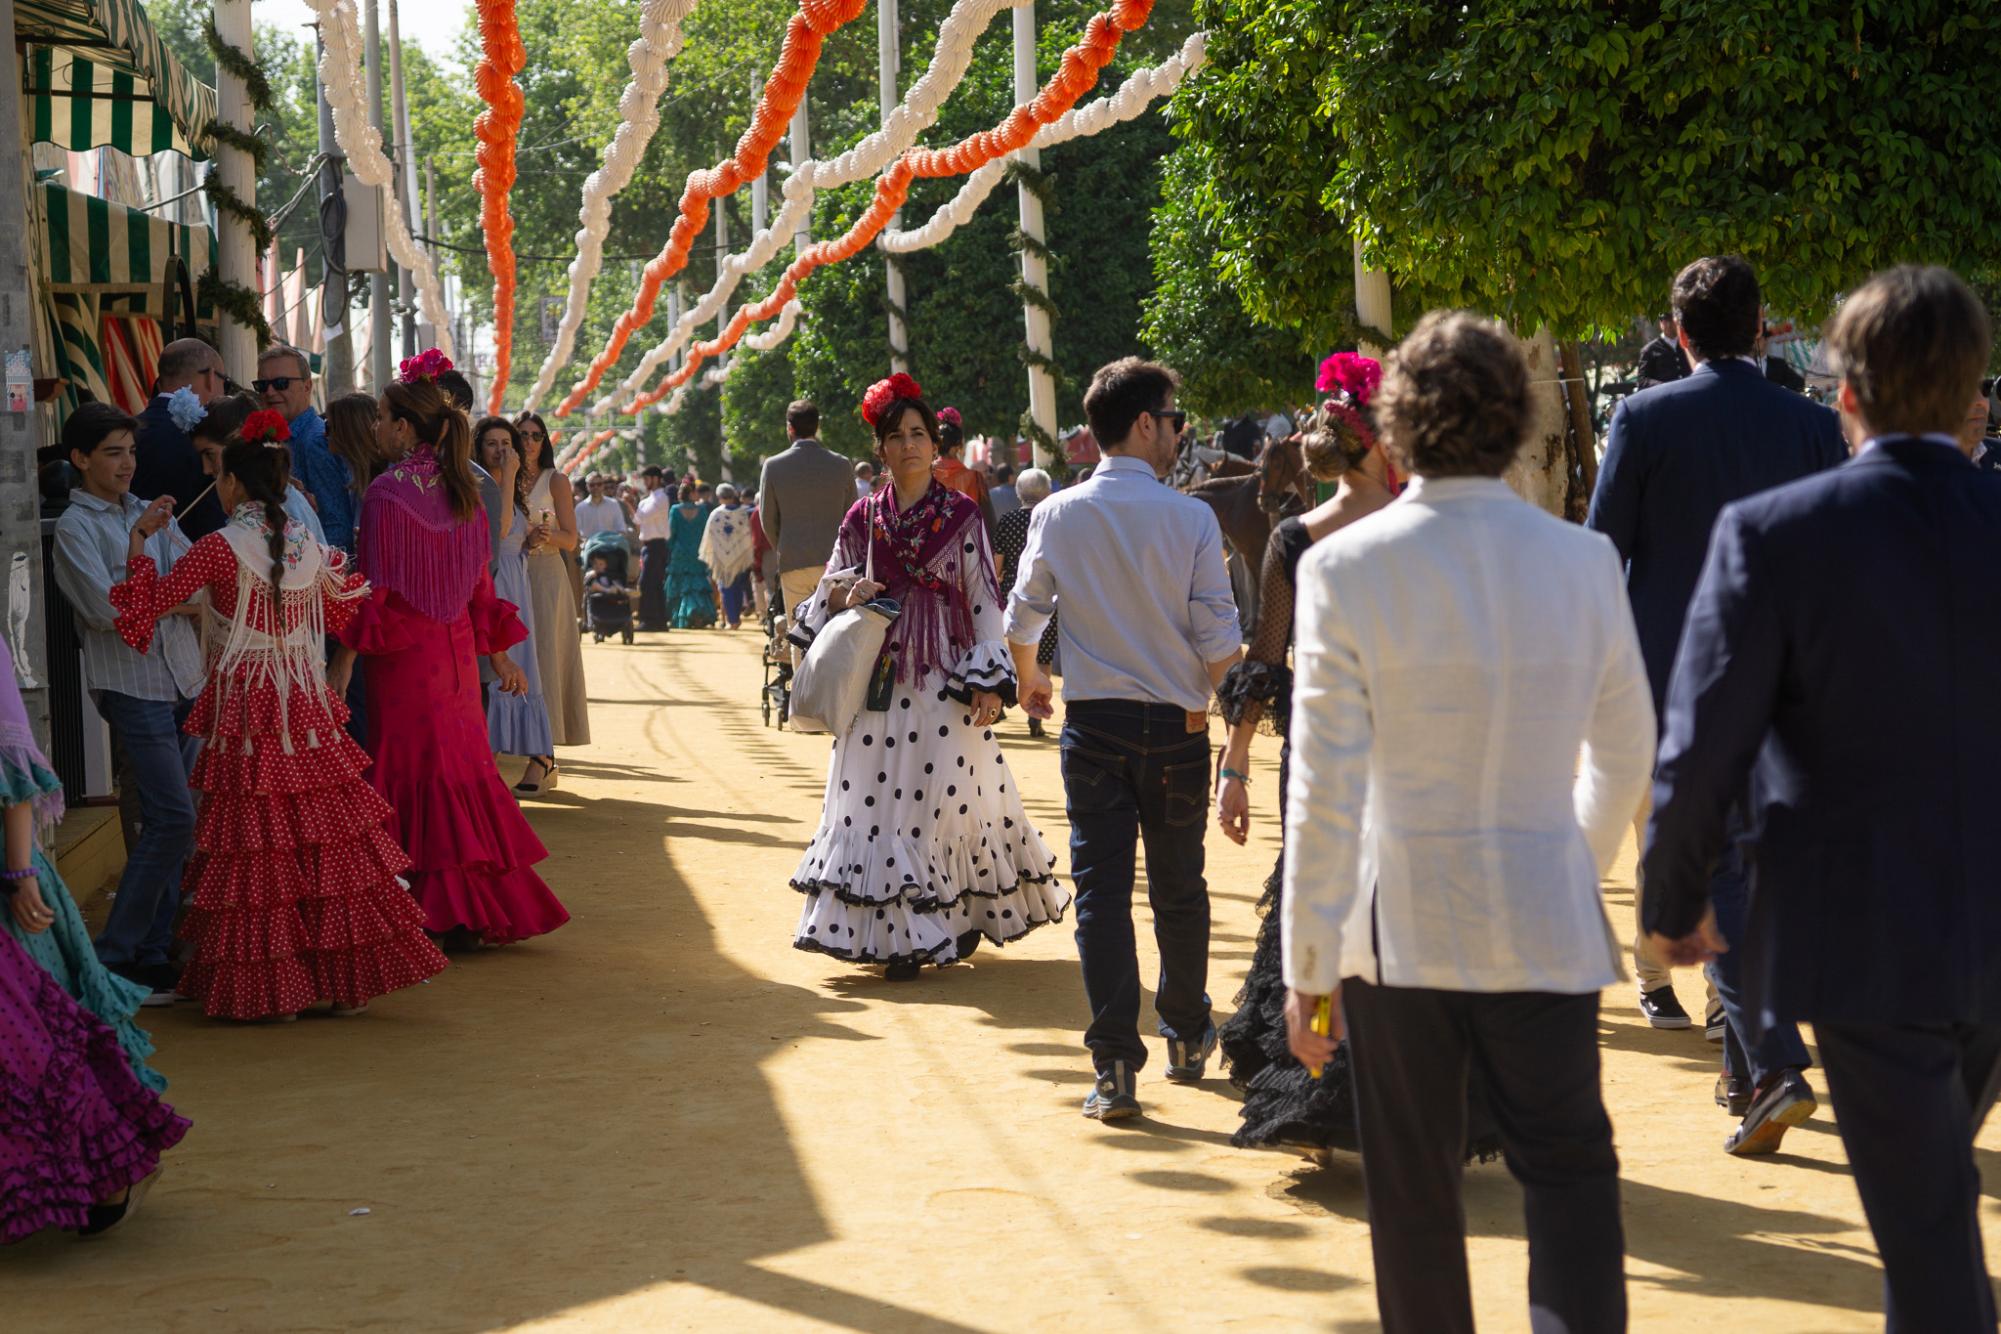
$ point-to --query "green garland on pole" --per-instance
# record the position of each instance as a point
(228, 297)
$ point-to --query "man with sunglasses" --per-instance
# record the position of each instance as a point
(167, 462)
(285, 383)
(1149, 627)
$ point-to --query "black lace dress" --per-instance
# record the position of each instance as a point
(1284, 1106)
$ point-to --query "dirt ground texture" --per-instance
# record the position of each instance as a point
(664, 1117)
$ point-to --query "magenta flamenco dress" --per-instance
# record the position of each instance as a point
(76, 1125)
(431, 616)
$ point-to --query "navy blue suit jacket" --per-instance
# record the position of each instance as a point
(1676, 455)
(169, 466)
(1844, 641)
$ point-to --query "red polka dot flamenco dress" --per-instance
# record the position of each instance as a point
(294, 888)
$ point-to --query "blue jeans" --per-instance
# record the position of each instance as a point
(1133, 774)
(1747, 1042)
(160, 757)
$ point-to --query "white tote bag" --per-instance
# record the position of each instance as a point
(832, 681)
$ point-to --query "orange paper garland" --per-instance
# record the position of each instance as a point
(496, 129)
(1077, 74)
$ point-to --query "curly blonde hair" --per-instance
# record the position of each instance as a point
(1455, 398)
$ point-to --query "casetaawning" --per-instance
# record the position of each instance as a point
(94, 245)
(97, 74)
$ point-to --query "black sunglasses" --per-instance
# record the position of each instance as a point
(281, 383)
(533, 435)
(1178, 418)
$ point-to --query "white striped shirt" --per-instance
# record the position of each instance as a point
(91, 547)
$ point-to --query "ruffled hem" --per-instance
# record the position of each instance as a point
(1266, 683)
(237, 821)
(272, 878)
(458, 822)
(380, 626)
(496, 627)
(24, 777)
(263, 769)
(132, 598)
(499, 906)
(872, 867)
(518, 725)
(898, 932)
(987, 666)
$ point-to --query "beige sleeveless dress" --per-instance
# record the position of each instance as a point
(559, 647)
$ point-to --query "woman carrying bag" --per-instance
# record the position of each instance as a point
(923, 846)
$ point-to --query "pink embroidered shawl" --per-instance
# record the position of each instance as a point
(411, 544)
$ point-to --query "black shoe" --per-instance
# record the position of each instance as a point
(103, 1217)
(1785, 1103)
(1713, 1021)
(1662, 1009)
(1733, 1094)
(968, 943)
(1035, 727)
(159, 979)
(904, 971)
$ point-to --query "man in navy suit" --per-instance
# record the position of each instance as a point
(1677, 454)
(168, 463)
(1843, 639)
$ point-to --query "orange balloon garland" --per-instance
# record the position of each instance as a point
(1077, 74)
(496, 129)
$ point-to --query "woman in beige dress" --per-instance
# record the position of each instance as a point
(552, 516)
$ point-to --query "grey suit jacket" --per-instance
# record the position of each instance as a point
(803, 494)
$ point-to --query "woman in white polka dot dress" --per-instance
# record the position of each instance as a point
(923, 848)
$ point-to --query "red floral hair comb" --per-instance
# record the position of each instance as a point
(885, 392)
(426, 365)
(266, 427)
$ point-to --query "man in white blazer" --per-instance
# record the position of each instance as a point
(1471, 732)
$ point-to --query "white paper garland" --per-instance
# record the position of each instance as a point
(340, 71)
(780, 330)
(917, 112)
(659, 41)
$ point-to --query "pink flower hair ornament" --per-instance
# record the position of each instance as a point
(950, 416)
(1350, 373)
(426, 365)
(885, 392)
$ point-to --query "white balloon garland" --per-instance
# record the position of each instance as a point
(917, 112)
(347, 92)
(659, 41)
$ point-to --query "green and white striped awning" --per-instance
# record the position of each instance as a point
(97, 74)
(94, 245)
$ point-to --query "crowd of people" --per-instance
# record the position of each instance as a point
(1763, 652)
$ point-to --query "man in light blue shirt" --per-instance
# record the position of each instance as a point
(286, 384)
(1148, 628)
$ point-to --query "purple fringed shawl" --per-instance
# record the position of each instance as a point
(18, 750)
(922, 555)
(411, 544)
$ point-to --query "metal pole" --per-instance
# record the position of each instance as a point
(22, 432)
(431, 220)
(406, 180)
(337, 365)
(236, 252)
(379, 332)
(1034, 270)
(887, 60)
(802, 149)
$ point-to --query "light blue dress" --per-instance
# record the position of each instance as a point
(518, 724)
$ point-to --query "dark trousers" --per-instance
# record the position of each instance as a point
(1751, 1048)
(1909, 1100)
(1536, 1055)
(653, 584)
(1133, 774)
(159, 757)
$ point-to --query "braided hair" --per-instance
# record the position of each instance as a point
(265, 474)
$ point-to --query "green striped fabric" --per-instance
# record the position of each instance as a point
(91, 244)
(97, 74)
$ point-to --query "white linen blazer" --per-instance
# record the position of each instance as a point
(1471, 734)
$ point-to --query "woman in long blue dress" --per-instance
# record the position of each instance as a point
(515, 724)
(691, 600)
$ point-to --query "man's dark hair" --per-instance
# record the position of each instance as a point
(457, 389)
(1455, 398)
(1121, 393)
(1911, 342)
(651, 472)
(94, 423)
(1717, 304)
(1003, 474)
(803, 417)
(180, 359)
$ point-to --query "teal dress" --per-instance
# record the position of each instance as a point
(64, 950)
(690, 602)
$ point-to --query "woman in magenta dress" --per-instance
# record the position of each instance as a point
(294, 889)
(423, 543)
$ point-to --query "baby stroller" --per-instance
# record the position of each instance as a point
(608, 613)
(776, 695)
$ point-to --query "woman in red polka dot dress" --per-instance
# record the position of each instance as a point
(295, 891)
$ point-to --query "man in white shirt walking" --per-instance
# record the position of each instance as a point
(1148, 629)
(1471, 731)
(655, 512)
(600, 511)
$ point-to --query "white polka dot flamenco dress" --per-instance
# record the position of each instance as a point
(923, 844)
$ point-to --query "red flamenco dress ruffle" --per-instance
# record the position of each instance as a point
(295, 889)
(472, 851)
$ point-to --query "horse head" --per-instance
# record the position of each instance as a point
(1284, 486)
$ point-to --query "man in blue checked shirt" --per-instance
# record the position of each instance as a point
(285, 383)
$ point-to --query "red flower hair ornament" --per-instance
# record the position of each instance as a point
(950, 416)
(1350, 373)
(266, 427)
(885, 392)
(426, 365)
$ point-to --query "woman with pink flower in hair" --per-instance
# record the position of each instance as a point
(431, 615)
(923, 849)
(951, 470)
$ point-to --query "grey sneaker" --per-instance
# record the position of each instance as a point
(1113, 1098)
(1186, 1061)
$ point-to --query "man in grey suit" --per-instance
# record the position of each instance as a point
(802, 495)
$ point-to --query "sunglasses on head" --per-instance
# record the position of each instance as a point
(1178, 419)
(279, 382)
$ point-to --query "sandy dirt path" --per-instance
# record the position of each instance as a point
(663, 1117)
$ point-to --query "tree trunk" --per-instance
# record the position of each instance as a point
(1541, 472)
(1583, 434)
